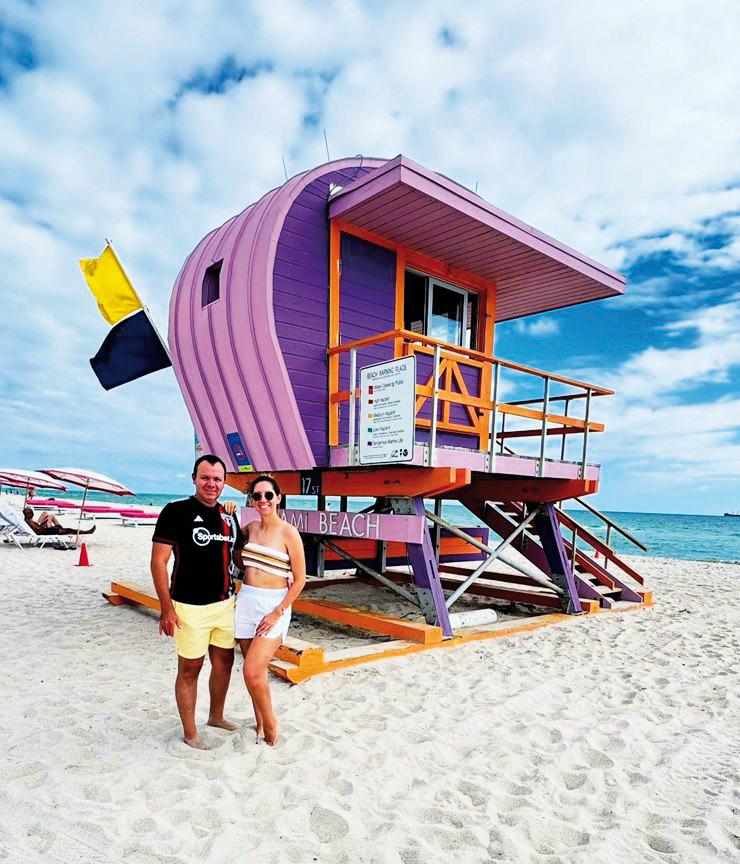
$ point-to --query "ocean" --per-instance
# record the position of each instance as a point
(668, 535)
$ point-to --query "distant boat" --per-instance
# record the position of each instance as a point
(736, 513)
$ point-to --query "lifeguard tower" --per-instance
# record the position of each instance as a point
(340, 333)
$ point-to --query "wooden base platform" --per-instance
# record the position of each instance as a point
(297, 660)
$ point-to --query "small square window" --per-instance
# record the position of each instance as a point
(211, 284)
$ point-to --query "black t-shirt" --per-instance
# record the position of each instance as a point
(203, 539)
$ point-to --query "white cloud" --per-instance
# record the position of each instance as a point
(537, 327)
(651, 428)
(573, 121)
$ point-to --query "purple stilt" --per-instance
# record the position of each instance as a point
(424, 569)
(561, 574)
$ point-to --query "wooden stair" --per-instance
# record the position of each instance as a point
(594, 583)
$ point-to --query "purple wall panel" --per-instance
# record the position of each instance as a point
(367, 307)
(301, 303)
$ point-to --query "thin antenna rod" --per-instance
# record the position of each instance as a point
(285, 169)
(326, 142)
(476, 187)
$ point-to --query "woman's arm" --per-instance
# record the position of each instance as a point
(298, 567)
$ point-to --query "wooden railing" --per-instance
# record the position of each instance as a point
(485, 412)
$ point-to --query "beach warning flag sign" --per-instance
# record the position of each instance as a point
(133, 347)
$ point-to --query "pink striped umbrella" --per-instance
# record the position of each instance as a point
(20, 478)
(90, 481)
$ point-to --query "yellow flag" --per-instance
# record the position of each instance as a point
(107, 281)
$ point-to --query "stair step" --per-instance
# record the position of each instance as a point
(605, 590)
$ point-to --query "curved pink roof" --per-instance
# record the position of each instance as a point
(226, 356)
(429, 213)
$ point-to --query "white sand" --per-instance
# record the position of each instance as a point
(614, 738)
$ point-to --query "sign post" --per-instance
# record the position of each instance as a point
(387, 411)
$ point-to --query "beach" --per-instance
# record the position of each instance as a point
(606, 738)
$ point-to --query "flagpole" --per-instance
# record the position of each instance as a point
(136, 294)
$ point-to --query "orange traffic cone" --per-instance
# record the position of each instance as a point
(84, 560)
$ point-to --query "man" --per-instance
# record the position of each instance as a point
(48, 524)
(197, 607)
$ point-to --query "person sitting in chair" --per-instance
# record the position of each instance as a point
(48, 524)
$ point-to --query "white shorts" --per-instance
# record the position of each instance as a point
(252, 604)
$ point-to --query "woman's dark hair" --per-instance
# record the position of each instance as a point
(264, 478)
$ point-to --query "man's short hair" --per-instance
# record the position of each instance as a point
(211, 459)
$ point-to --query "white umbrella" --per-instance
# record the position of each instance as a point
(22, 479)
(90, 481)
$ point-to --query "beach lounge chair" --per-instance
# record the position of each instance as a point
(15, 530)
(132, 518)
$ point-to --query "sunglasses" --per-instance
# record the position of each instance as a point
(257, 496)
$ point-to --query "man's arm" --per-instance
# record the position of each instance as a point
(168, 619)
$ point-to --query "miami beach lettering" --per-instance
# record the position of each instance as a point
(371, 526)
(336, 524)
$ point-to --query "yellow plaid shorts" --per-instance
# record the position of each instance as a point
(201, 626)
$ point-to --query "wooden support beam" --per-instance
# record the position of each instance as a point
(347, 657)
(328, 582)
(561, 573)
(535, 490)
(371, 482)
(509, 578)
(135, 593)
(343, 658)
(363, 619)
(300, 653)
(532, 414)
(116, 599)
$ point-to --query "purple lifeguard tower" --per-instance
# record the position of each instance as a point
(363, 263)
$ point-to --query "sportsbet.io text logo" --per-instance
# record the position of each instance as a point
(202, 536)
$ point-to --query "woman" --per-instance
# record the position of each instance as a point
(274, 575)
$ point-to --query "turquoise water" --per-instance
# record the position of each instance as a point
(708, 538)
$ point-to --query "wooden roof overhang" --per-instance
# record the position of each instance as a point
(430, 214)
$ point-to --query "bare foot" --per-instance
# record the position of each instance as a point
(221, 723)
(196, 743)
(271, 734)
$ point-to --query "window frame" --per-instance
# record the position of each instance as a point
(211, 279)
(431, 281)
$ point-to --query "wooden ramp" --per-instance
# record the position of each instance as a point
(297, 660)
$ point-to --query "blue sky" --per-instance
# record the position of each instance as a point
(614, 130)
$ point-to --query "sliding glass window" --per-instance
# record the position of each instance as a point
(439, 310)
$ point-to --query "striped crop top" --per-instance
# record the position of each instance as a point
(270, 560)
